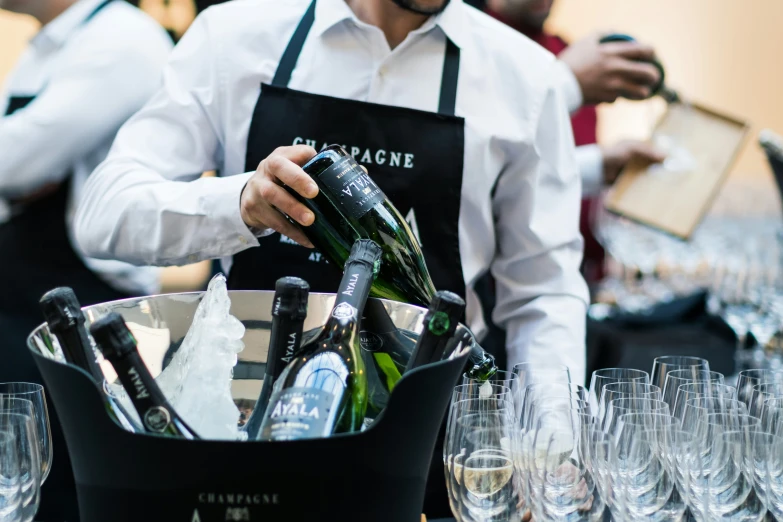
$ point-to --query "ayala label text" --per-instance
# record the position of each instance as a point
(297, 413)
(141, 390)
(351, 188)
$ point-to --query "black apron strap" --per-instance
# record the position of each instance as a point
(449, 79)
(291, 54)
(448, 82)
(96, 11)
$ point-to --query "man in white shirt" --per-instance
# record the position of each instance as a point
(92, 65)
(457, 118)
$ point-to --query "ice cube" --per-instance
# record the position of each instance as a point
(197, 381)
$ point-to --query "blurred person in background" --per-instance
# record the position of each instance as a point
(590, 73)
(90, 67)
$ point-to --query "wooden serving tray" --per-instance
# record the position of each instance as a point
(675, 200)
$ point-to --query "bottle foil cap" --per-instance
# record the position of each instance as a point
(112, 336)
(61, 309)
(291, 295)
(365, 251)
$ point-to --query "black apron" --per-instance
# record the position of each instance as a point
(35, 256)
(415, 157)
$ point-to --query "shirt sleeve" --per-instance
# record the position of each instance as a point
(94, 90)
(590, 160)
(569, 85)
(541, 295)
(146, 204)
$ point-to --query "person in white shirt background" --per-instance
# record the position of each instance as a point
(90, 67)
(458, 119)
(589, 74)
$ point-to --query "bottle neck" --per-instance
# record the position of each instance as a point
(284, 339)
(353, 290)
(138, 382)
(75, 341)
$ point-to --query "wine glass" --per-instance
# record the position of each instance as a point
(665, 364)
(619, 390)
(606, 376)
(489, 478)
(747, 379)
(29, 458)
(700, 389)
(647, 480)
(563, 487)
(10, 479)
(761, 393)
(730, 493)
(35, 394)
(676, 378)
(619, 407)
(466, 416)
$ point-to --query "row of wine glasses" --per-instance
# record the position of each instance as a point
(25, 450)
(673, 444)
(736, 253)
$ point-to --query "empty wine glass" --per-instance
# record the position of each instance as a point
(35, 394)
(10, 479)
(619, 407)
(747, 379)
(563, 488)
(730, 493)
(676, 378)
(601, 454)
(663, 365)
(26, 443)
(761, 393)
(604, 376)
(700, 389)
(530, 373)
(772, 417)
(619, 390)
(646, 478)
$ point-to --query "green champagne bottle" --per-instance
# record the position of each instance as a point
(323, 390)
(350, 206)
(443, 316)
(118, 346)
(63, 314)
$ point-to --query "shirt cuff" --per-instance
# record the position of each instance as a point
(591, 168)
(226, 210)
(569, 85)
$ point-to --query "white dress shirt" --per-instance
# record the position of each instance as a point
(589, 157)
(146, 205)
(88, 79)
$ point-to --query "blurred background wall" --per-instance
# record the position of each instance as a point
(725, 54)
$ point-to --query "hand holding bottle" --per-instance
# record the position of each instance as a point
(264, 198)
(607, 71)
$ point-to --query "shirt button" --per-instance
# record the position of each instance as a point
(243, 240)
(382, 72)
(192, 258)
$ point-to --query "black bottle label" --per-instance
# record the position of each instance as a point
(297, 413)
(356, 192)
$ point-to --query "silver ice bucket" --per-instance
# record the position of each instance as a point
(160, 323)
(377, 475)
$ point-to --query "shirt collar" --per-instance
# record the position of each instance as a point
(57, 31)
(330, 13)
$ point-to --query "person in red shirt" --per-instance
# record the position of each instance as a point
(591, 73)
